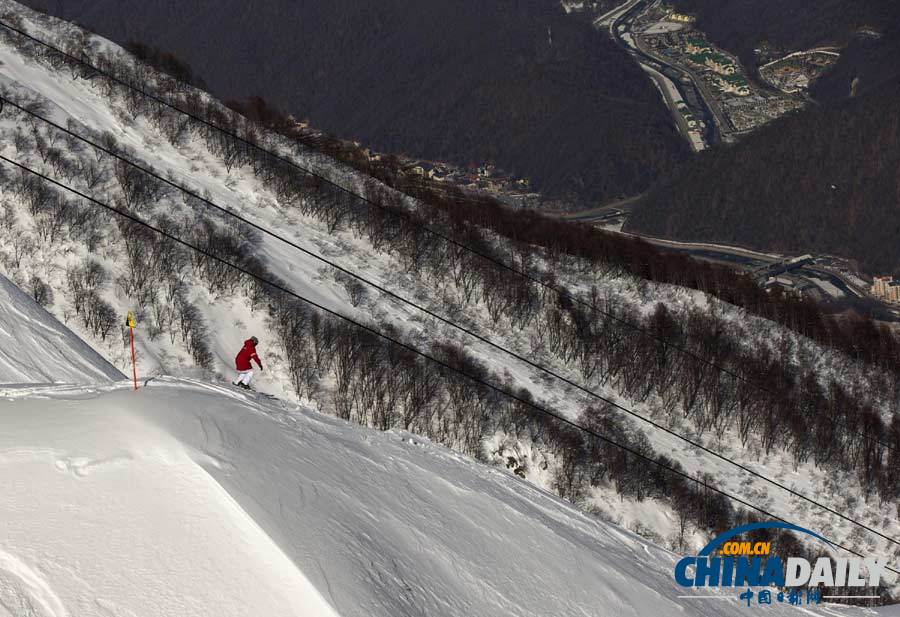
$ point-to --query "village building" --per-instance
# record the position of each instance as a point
(886, 288)
(697, 46)
(682, 18)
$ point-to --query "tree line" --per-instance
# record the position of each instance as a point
(857, 335)
(826, 180)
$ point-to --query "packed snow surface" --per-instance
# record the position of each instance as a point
(186, 498)
(36, 348)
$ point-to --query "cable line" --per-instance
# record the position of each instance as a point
(478, 380)
(406, 216)
(452, 324)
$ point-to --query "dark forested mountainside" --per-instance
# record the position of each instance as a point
(541, 94)
(825, 180)
(865, 64)
(742, 25)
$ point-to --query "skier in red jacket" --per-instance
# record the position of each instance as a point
(242, 363)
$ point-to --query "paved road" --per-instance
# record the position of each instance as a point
(601, 212)
(837, 279)
(710, 251)
(715, 110)
(855, 298)
(608, 18)
(657, 67)
(673, 96)
(747, 259)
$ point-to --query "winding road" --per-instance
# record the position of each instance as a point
(676, 85)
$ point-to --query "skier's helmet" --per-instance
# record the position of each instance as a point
(255, 340)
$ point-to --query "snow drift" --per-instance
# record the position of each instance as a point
(192, 499)
(39, 349)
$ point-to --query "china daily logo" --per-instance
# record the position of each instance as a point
(728, 561)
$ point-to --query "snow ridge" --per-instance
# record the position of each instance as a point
(39, 349)
(192, 499)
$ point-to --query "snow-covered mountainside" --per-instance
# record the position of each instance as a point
(192, 499)
(39, 349)
(188, 498)
(193, 314)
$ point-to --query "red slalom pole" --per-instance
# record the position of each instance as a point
(131, 324)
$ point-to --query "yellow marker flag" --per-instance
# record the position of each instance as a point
(131, 323)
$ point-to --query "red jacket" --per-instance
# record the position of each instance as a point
(242, 362)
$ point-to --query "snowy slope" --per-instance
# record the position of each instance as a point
(189, 499)
(36, 348)
(232, 319)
